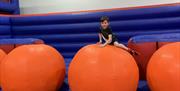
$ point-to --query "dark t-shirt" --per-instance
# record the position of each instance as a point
(106, 33)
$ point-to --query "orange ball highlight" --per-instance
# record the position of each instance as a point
(33, 68)
(163, 72)
(103, 69)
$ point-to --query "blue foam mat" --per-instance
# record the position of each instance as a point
(170, 37)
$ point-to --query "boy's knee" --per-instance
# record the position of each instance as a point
(115, 43)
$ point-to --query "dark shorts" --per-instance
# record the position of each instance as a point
(114, 39)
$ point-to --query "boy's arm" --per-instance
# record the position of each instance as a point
(107, 41)
(100, 38)
(104, 38)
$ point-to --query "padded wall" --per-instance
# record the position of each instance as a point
(69, 32)
(9, 7)
(5, 32)
(5, 27)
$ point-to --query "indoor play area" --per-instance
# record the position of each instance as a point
(89, 45)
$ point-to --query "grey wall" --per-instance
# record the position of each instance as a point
(47, 6)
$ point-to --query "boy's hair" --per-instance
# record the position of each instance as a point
(104, 18)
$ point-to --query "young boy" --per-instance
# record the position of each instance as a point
(110, 39)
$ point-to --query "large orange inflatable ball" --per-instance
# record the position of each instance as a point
(163, 72)
(33, 68)
(2, 56)
(103, 69)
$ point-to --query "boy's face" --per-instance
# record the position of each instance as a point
(104, 24)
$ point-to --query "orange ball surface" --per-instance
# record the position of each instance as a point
(2, 56)
(103, 69)
(163, 72)
(33, 68)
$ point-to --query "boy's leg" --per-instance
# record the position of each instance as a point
(126, 48)
(121, 46)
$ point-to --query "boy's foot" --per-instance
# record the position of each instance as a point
(133, 52)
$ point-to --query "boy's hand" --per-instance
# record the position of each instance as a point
(102, 45)
(98, 43)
